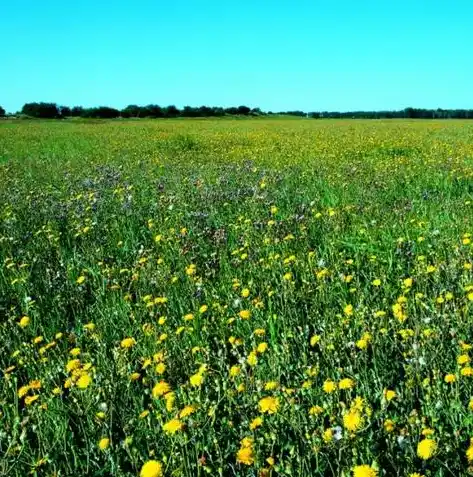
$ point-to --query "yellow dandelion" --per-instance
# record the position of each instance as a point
(256, 422)
(104, 443)
(186, 411)
(426, 449)
(160, 389)
(127, 343)
(268, 405)
(24, 321)
(173, 426)
(84, 381)
(346, 383)
(364, 471)
(152, 468)
(329, 386)
(352, 420)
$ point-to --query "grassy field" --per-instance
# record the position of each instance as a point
(236, 297)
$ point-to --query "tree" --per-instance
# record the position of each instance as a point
(132, 111)
(2, 112)
(171, 111)
(77, 111)
(153, 111)
(64, 111)
(102, 112)
(41, 110)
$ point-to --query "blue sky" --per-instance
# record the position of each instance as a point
(278, 55)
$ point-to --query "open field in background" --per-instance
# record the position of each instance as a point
(236, 297)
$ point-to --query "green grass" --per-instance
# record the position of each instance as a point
(100, 220)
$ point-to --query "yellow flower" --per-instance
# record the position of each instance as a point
(31, 399)
(160, 389)
(352, 420)
(467, 371)
(127, 343)
(389, 394)
(415, 474)
(186, 411)
(23, 391)
(173, 426)
(364, 471)
(245, 456)
(152, 468)
(463, 359)
(316, 410)
(252, 360)
(329, 386)
(271, 386)
(262, 347)
(75, 352)
(235, 371)
(426, 449)
(268, 405)
(389, 425)
(245, 314)
(104, 443)
(376, 282)
(196, 380)
(256, 422)
(203, 308)
(24, 322)
(245, 293)
(346, 383)
(84, 381)
(314, 340)
(327, 435)
(450, 378)
(407, 282)
(348, 310)
(469, 451)
(80, 280)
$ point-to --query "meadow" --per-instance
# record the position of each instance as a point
(258, 297)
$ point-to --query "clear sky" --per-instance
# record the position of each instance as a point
(278, 55)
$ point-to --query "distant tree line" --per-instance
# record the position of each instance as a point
(53, 111)
(410, 113)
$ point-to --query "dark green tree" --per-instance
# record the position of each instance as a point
(41, 110)
(2, 112)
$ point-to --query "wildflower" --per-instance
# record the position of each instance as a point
(352, 420)
(152, 468)
(252, 359)
(24, 321)
(469, 451)
(327, 435)
(450, 378)
(84, 381)
(80, 280)
(389, 425)
(316, 410)
(348, 310)
(463, 359)
(270, 385)
(245, 456)
(346, 383)
(127, 343)
(104, 443)
(314, 340)
(160, 389)
(262, 347)
(376, 282)
(389, 394)
(364, 471)
(256, 422)
(196, 380)
(186, 411)
(31, 399)
(467, 371)
(173, 426)
(245, 314)
(245, 293)
(235, 371)
(268, 405)
(426, 448)
(203, 308)
(329, 386)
